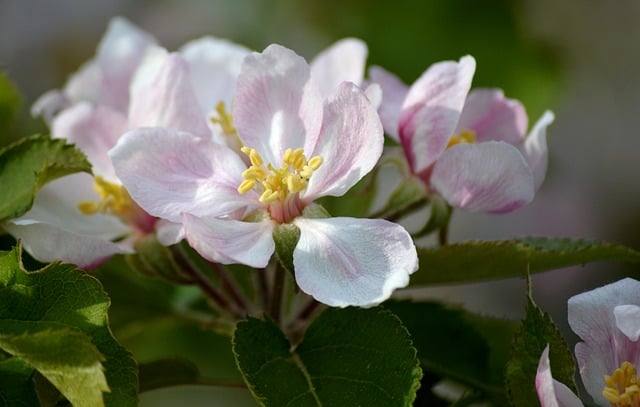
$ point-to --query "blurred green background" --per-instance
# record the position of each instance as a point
(578, 58)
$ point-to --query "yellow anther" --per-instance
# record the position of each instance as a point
(246, 186)
(114, 199)
(465, 136)
(255, 173)
(277, 183)
(621, 388)
(315, 162)
(224, 119)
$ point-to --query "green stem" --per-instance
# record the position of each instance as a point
(231, 287)
(275, 309)
(263, 288)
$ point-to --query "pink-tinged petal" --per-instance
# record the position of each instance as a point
(493, 117)
(348, 261)
(431, 110)
(373, 92)
(49, 104)
(350, 143)
(230, 241)
(55, 229)
(57, 204)
(94, 130)
(277, 106)
(169, 100)
(394, 91)
(169, 233)
(628, 320)
(168, 172)
(535, 148)
(591, 316)
(215, 64)
(47, 243)
(119, 54)
(86, 85)
(551, 392)
(342, 61)
(485, 177)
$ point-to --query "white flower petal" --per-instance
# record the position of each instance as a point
(350, 143)
(483, 177)
(605, 347)
(342, 61)
(551, 392)
(628, 320)
(277, 106)
(535, 148)
(168, 100)
(215, 65)
(168, 172)
(231, 241)
(348, 261)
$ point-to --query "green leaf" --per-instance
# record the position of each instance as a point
(28, 164)
(16, 384)
(167, 372)
(9, 104)
(537, 330)
(456, 344)
(348, 357)
(65, 356)
(483, 260)
(68, 297)
(356, 202)
(286, 238)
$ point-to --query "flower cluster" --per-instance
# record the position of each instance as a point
(233, 150)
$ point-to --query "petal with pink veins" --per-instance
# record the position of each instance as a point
(342, 61)
(628, 320)
(168, 100)
(485, 177)
(276, 106)
(535, 148)
(431, 110)
(94, 130)
(348, 261)
(493, 117)
(229, 241)
(394, 91)
(168, 172)
(350, 143)
(551, 392)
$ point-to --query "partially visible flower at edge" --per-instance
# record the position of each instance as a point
(471, 148)
(295, 148)
(607, 319)
(551, 392)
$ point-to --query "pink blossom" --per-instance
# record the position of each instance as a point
(295, 146)
(471, 148)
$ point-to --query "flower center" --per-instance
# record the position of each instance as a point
(621, 388)
(279, 187)
(465, 136)
(116, 201)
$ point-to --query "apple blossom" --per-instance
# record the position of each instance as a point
(97, 110)
(468, 147)
(551, 392)
(297, 146)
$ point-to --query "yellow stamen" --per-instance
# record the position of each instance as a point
(465, 136)
(114, 199)
(277, 183)
(621, 388)
(224, 119)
